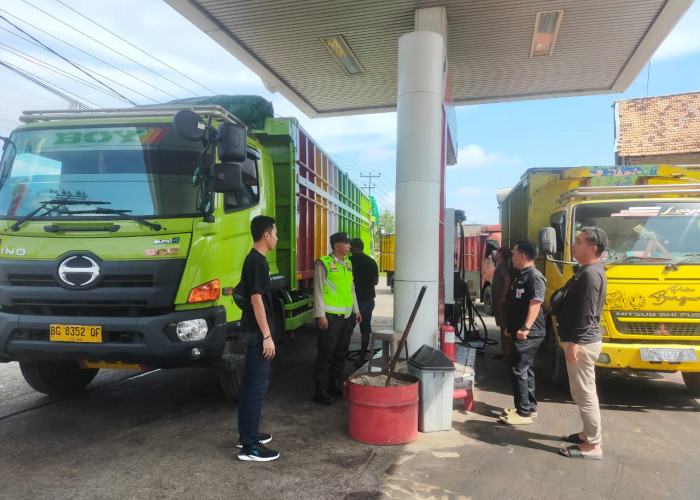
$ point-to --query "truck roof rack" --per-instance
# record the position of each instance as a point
(33, 116)
(636, 190)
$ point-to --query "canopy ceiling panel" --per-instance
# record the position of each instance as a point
(600, 48)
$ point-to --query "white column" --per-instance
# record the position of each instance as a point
(421, 83)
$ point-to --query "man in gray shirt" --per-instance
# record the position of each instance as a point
(579, 329)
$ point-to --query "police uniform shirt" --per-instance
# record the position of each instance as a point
(528, 285)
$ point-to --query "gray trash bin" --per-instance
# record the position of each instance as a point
(435, 372)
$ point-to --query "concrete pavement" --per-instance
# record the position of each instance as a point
(169, 434)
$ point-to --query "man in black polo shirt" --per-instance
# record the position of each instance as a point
(366, 275)
(526, 328)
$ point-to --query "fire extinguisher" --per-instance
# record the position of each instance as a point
(447, 340)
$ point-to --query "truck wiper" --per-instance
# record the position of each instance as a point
(630, 258)
(61, 202)
(688, 258)
(123, 213)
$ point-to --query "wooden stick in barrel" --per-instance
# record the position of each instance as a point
(395, 359)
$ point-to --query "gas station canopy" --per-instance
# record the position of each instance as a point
(297, 46)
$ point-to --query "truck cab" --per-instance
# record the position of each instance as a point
(121, 240)
(651, 318)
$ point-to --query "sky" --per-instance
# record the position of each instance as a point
(497, 142)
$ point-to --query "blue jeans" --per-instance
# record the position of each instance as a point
(523, 374)
(256, 378)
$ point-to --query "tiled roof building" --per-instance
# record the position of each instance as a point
(658, 130)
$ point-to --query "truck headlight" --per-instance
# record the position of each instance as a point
(192, 329)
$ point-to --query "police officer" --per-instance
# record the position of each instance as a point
(335, 310)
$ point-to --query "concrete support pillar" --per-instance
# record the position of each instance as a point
(421, 83)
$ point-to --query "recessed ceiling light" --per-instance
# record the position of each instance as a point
(546, 31)
(340, 49)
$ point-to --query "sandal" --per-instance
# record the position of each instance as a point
(575, 452)
(573, 438)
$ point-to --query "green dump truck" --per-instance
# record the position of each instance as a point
(123, 233)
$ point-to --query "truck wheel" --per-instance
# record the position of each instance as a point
(230, 373)
(390, 280)
(692, 382)
(559, 375)
(488, 300)
(60, 379)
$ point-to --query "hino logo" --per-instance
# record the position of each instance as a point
(78, 271)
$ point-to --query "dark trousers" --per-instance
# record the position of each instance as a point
(366, 308)
(333, 346)
(523, 374)
(256, 378)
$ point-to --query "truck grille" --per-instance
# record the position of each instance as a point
(114, 281)
(644, 328)
(134, 288)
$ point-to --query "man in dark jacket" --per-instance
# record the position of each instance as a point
(579, 329)
(526, 326)
(366, 274)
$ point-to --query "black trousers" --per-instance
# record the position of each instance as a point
(333, 346)
(523, 374)
(256, 378)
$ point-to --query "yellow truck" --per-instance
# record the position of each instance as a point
(651, 213)
(386, 258)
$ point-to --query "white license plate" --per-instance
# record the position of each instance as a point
(666, 354)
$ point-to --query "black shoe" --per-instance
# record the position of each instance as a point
(257, 453)
(336, 387)
(321, 396)
(262, 439)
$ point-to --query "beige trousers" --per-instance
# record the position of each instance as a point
(583, 389)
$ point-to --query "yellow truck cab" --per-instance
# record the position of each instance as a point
(651, 214)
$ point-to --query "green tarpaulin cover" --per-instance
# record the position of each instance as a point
(250, 109)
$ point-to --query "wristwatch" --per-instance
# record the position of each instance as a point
(525, 328)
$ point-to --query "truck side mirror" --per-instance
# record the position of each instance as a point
(548, 240)
(227, 177)
(189, 125)
(231, 142)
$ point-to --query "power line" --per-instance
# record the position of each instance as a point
(89, 55)
(85, 82)
(54, 91)
(113, 50)
(49, 67)
(139, 49)
(66, 59)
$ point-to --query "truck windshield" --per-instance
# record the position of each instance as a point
(644, 232)
(145, 169)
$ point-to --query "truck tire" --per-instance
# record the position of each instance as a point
(559, 375)
(390, 280)
(59, 379)
(692, 382)
(230, 373)
(488, 300)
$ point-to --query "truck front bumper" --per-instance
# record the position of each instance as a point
(629, 356)
(150, 341)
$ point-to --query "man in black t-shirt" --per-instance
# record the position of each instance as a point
(366, 276)
(526, 328)
(260, 347)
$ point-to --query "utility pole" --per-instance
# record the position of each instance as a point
(369, 185)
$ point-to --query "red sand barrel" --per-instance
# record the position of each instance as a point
(384, 415)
